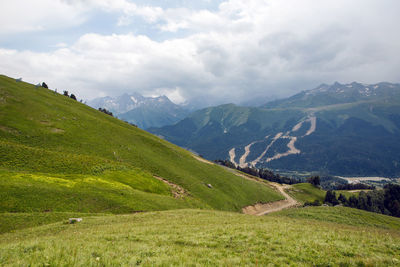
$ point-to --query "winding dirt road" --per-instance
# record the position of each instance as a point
(262, 209)
(259, 208)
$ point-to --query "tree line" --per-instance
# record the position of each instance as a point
(356, 186)
(386, 201)
(261, 173)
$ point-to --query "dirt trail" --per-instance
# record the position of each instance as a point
(176, 190)
(277, 136)
(262, 209)
(242, 160)
(313, 121)
(290, 145)
(257, 209)
(232, 156)
(202, 160)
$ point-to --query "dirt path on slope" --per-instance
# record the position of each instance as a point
(176, 190)
(290, 145)
(202, 160)
(257, 209)
(313, 121)
(232, 156)
(262, 209)
(242, 160)
(277, 136)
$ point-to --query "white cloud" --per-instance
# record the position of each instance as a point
(39, 15)
(242, 50)
(127, 8)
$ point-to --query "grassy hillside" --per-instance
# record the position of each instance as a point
(61, 155)
(343, 215)
(15, 221)
(201, 238)
(306, 192)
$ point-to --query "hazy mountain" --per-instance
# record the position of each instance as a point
(341, 129)
(337, 94)
(143, 111)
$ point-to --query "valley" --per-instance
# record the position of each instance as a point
(199, 133)
(141, 200)
(341, 130)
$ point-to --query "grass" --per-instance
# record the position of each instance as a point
(15, 221)
(343, 215)
(62, 159)
(304, 192)
(200, 238)
(124, 192)
(62, 155)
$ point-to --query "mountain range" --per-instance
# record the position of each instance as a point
(143, 111)
(339, 129)
(81, 188)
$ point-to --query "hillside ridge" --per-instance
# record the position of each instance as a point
(96, 163)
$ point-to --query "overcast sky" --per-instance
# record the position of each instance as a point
(207, 50)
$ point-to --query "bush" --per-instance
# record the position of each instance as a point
(106, 111)
(313, 203)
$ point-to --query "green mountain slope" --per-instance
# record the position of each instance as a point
(211, 238)
(60, 155)
(348, 130)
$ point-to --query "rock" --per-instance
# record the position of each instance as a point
(74, 220)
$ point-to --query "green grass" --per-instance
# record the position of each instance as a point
(62, 155)
(306, 192)
(200, 238)
(15, 221)
(27, 192)
(343, 215)
(62, 159)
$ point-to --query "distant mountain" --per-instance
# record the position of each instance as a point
(143, 111)
(337, 93)
(340, 129)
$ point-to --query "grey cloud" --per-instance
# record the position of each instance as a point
(239, 52)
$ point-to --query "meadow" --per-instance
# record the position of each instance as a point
(207, 238)
(61, 155)
(305, 192)
(63, 159)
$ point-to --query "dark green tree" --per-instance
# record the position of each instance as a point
(314, 180)
(44, 85)
(330, 198)
(342, 199)
(392, 199)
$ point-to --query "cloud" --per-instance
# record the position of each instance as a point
(240, 51)
(19, 16)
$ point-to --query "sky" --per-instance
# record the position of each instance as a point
(204, 52)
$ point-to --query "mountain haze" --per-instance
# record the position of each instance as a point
(143, 111)
(340, 129)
